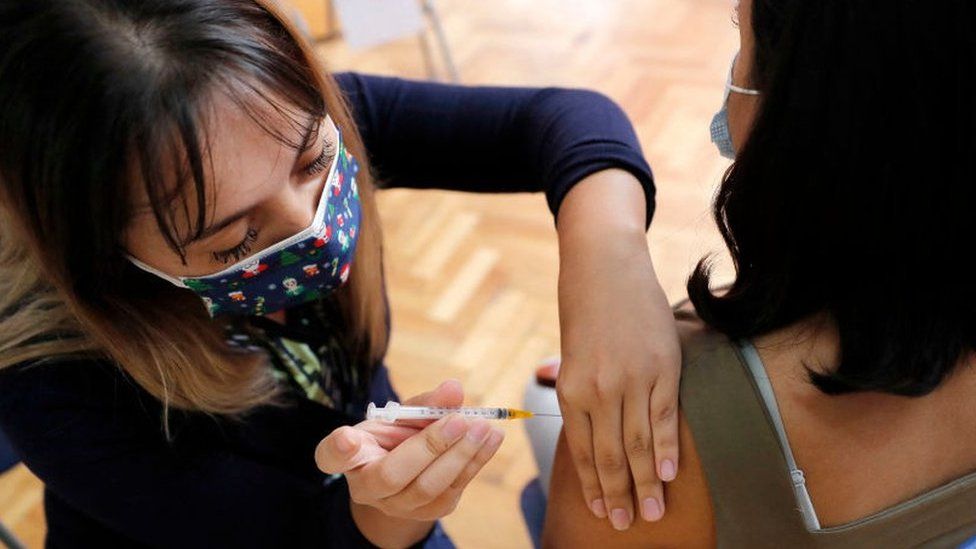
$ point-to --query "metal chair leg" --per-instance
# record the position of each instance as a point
(435, 22)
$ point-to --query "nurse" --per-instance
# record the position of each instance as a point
(192, 310)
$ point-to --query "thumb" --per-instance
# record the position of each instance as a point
(343, 450)
(449, 394)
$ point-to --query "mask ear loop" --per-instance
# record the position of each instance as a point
(729, 86)
(744, 91)
(171, 279)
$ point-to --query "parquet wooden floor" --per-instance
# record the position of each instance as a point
(473, 278)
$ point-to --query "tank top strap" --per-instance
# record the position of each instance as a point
(747, 473)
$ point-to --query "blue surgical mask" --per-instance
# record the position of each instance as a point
(721, 134)
(306, 266)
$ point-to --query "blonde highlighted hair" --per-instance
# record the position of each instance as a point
(134, 78)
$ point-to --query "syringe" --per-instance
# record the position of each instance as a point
(394, 411)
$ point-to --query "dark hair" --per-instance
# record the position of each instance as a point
(854, 193)
(142, 75)
(100, 96)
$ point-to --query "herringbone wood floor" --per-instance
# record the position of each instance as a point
(473, 278)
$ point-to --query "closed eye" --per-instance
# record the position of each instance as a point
(319, 165)
(239, 251)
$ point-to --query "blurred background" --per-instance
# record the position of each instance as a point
(472, 279)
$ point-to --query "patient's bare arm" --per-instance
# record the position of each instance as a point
(687, 524)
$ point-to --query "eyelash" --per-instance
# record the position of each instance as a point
(239, 251)
(244, 248)
(322, 162)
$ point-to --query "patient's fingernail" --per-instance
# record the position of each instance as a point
(668, 470)
(620, 519)
(455, 427)
(651, 510)
(598, 508)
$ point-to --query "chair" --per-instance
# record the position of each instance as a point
(8, 459)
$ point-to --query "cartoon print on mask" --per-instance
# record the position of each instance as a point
(337, 188)
(324, 237)
(289, 258)
(253, 269)
(292, 287)
(298, 269)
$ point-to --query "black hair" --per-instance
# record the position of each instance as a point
(854, 192)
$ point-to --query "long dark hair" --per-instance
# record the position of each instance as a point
(854, 193)
(98, 96)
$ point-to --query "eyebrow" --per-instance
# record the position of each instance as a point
(307, 142)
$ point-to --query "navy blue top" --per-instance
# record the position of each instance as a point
(94, 437)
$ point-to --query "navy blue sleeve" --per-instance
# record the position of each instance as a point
(97, 445)
(492, 139)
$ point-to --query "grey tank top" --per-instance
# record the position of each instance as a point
(759, 494)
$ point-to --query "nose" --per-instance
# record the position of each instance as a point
(293, 209)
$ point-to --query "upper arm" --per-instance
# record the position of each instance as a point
(688, 520)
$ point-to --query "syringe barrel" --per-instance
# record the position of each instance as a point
(394, 411)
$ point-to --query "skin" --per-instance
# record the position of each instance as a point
(743, 108)
(604, 264)
(400, 479)
(861, 453)
(253, 172)
(618, 381)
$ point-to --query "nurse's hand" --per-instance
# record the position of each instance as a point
(415, 470)
(621, 358)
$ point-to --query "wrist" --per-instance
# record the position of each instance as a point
(386, 531)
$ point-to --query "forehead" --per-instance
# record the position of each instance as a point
(246, 140)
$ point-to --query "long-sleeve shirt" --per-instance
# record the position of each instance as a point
(94, 437)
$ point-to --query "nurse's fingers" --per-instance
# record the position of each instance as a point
(442, 473)
(345, 449)
(579, 437)
(640, 453)
(404, 463)
(447, 502)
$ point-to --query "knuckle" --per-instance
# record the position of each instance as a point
(664, 412)
(610, 462)
(583, 459)
(606, 390)
(435, 444)
(638, 445)
(568, 392)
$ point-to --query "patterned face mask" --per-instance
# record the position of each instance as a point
(304, 267)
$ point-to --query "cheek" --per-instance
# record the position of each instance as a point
(144, 242)
(742, 115)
